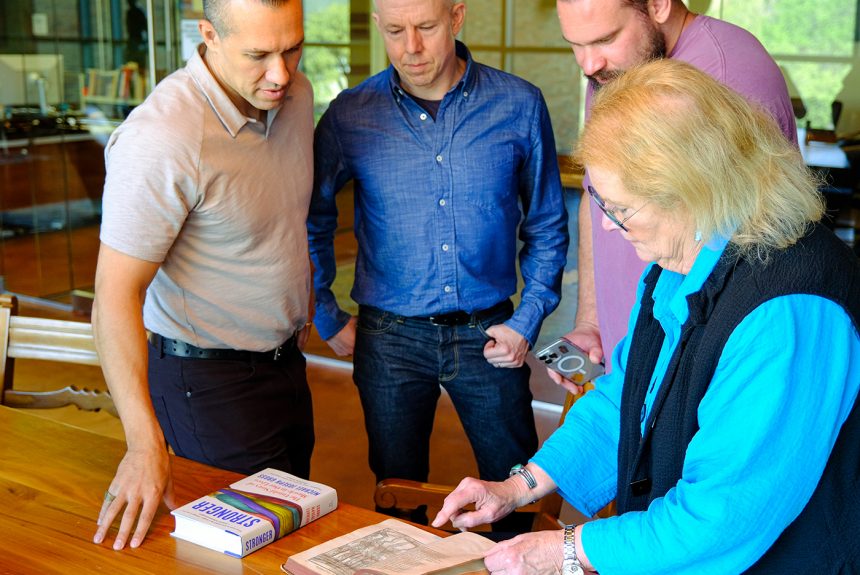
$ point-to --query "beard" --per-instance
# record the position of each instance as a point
(654, 48)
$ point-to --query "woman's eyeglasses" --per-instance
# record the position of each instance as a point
(611, 213)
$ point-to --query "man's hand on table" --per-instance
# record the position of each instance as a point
(142, 480)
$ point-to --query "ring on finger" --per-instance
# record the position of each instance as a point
(109, 497)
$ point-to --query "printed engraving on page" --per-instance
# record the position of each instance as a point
(375, 547)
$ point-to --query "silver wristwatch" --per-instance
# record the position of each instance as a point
(570, 565)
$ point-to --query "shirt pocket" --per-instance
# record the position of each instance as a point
(487, 176)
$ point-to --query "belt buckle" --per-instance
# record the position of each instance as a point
(450, 319)
(443, 320)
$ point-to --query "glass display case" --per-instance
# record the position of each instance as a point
(70, 72)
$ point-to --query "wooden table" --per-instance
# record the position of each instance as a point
(52, 478)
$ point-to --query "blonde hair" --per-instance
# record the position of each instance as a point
(680, 139)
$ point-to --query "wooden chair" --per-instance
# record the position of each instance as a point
(51, 340)
(405, 494)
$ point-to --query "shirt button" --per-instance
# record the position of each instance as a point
(441, 202)
(447, 289)
(439, 158)
(465, 94)
(444, 247)
(423, 116)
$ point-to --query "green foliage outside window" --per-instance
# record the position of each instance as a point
(813, 41)
(324, 62)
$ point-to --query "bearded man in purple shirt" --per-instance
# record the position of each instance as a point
(608, 37)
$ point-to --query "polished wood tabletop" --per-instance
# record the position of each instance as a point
(52, 480)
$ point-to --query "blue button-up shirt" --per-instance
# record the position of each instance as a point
(438, 202)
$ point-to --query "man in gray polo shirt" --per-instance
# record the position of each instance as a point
(204, 246)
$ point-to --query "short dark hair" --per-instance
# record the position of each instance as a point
(641, 5)
(216, 12)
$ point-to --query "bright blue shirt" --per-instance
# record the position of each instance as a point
(747, 472)
(438, 202)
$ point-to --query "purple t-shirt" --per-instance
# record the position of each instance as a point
(737, 59)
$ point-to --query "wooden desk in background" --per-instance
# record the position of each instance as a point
(571, 174)
(52, 478)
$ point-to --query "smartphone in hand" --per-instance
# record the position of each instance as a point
(570, 361)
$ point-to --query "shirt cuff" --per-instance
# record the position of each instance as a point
(329, 319)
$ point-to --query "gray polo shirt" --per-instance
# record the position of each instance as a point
(220, 200)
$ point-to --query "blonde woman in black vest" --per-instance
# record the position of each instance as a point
(728, 432)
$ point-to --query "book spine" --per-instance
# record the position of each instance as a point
(259, 537)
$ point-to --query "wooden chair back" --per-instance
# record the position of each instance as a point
(403, 494)
(51, 340)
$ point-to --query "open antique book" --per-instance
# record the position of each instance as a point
(392, 548)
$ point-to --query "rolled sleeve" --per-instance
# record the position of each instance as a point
(581, 456)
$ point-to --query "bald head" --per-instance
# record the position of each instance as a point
(447, 3)
(420, 40)
(218, 13)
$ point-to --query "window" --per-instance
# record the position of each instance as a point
(523, 37)
(814, 43)
(338, 46)
(326, 58)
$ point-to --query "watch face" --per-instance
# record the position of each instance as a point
(572, 569)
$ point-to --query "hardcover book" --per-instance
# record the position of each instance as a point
(393, 547)
(253, 512)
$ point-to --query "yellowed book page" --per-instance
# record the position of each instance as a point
(348, 553)
(458, 554)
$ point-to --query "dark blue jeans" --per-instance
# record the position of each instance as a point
(238, 415)
(400, 364)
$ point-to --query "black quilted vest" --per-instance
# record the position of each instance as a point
(825, 538)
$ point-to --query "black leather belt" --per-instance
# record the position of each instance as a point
(179, 348)
(463, 317)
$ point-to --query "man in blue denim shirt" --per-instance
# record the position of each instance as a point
(448, 158)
